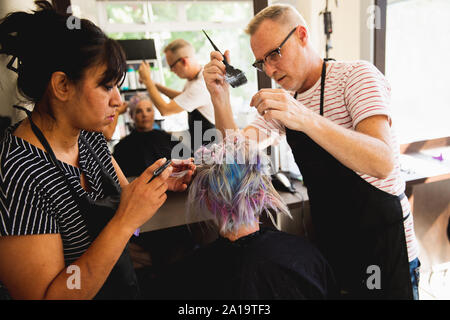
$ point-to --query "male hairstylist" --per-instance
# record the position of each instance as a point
(336, 118)
(194, 98)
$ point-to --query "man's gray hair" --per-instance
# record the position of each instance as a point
(134, 101)
(176, 45)
(281, 13)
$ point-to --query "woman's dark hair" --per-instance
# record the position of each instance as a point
(44, 42)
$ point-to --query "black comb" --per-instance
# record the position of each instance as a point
(233, 76)
(159, 170)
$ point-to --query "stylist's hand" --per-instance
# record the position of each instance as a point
(144, 72)
(140, 200)
(278, 104)
(186, 169)
(214, 75)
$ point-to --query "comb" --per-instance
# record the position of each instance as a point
(158, 171)
(233, 76)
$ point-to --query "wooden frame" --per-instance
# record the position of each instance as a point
(379, 55)
(263, 80)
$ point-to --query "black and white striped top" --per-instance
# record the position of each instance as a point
(34, 197)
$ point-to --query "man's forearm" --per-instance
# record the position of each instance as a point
(358, 151)
(167, 91)
(155, 96)
(166, 109)
(223, 115)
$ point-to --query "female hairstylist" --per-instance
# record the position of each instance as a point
(64, 219)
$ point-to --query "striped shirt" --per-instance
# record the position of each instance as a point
(355, 91)
(34, 197)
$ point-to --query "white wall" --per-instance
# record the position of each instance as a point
(8, 79)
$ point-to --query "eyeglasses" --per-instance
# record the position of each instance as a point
(273, 56)
(173, 64)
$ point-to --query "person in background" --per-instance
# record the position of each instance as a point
(144, 145)
(337, 120)
(194, 98)
(232, 189)
(109, 130)
(67, 211)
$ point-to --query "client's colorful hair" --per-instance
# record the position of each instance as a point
(134, 101)
(233, 184)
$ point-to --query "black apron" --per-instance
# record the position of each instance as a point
(122, 281)
(358, 227)
(193, 117)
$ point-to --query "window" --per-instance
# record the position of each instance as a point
(126, 13)
(416, 67)
(164, 21)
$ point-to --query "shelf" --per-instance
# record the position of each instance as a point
(133, 90)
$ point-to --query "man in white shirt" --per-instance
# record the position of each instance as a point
(194, 98)
(336, 118)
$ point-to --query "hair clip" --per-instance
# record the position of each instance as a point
(10, 64)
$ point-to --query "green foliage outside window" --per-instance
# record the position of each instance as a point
(163, 12)
(125, 13)
(220, 12)
(127, 35)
